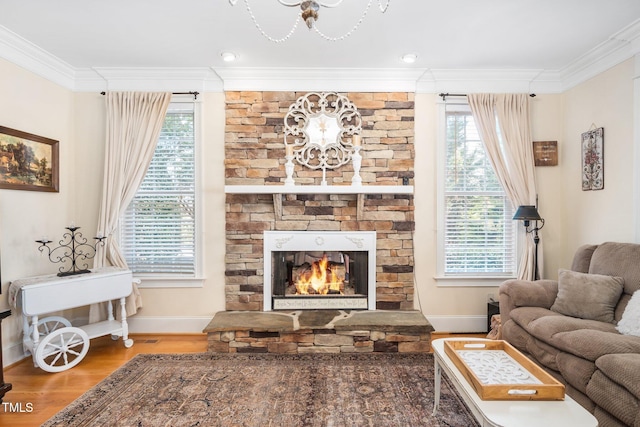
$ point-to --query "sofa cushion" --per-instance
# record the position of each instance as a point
(575, 370)
(544, 354)
(524, 316)
(582, 258)
(614, 398)
(623, 369)
(544, 324)
(587, 296)
(605, 419)
(630, 322)
(591, 344)
(588, 339)
(618, 259)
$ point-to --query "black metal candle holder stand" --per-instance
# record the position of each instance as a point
(72, 247)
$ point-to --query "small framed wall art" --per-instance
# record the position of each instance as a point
(27, 161)
(545, 153)
(593, 159)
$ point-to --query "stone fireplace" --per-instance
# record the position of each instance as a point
(267, 221)
(254, 157)
(275, 233)
(319, 270)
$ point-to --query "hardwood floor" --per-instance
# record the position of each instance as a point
(37, 395)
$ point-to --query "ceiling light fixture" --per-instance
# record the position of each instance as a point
(228, 56)
(309, 14)
(409, 58)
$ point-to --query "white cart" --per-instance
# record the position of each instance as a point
(54, 344)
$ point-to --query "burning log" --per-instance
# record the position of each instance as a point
(321, 277)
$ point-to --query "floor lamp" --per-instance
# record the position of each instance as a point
(527, 214)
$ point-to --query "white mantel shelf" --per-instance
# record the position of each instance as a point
(318, 189)
(278, 190)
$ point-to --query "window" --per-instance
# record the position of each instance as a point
(477, 234)
(158, 229)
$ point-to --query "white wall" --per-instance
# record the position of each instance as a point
(546, 125)
(608, 214)
(34, 105)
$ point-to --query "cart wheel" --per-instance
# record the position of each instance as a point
(128, 343)
(62, 349)
(115, 337)
(49, 324)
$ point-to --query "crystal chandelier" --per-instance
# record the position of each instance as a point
(309, 14)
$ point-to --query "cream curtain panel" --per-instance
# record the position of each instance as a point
(134, 122)
(511, 153)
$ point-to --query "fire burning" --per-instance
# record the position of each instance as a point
(320, 279)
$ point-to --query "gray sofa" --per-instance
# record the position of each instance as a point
(570, 328)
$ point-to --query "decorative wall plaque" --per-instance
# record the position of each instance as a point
(322, 131)
(593, 160)
(545, 153)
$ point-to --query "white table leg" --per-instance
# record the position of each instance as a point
(437, 376)
(128, 342)
(123, 314)
(35, 337)
(110, 310)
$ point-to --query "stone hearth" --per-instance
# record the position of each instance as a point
(319, 331)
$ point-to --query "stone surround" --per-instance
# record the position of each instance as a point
(254, 155)
(319, 331)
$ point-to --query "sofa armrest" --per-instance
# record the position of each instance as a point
(524, 293)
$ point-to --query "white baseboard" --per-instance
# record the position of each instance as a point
(173, 325)
(475, 324)
(13, 354)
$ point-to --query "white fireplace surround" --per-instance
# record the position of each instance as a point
(275, 241)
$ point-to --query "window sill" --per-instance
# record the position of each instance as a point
(169, 282)
(470, 281)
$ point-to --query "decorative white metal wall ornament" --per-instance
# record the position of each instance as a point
(309, 14)
(322, 131)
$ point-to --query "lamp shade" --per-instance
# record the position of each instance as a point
(527, 213)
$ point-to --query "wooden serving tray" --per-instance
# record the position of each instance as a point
(497, 371)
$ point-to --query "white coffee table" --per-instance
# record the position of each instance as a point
(507, 413)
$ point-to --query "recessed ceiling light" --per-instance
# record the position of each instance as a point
(228, 56)
(409, 58)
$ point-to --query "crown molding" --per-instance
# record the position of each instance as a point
(169, 79)
(621, 46)
(320, 79)
(27, 55)
(441, 80)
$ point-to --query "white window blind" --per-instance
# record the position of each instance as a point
(158, 229)
(479, 233)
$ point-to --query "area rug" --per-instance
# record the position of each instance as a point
(269, 390)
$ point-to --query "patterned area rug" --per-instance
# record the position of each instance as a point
(269, 390)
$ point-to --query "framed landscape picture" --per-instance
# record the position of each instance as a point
(27, 161)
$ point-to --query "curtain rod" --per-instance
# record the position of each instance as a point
(444, 95)
(195, 94)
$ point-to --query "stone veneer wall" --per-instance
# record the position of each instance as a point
(254, 155)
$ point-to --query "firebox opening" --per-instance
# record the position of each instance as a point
(320, 273)
(350, 263)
